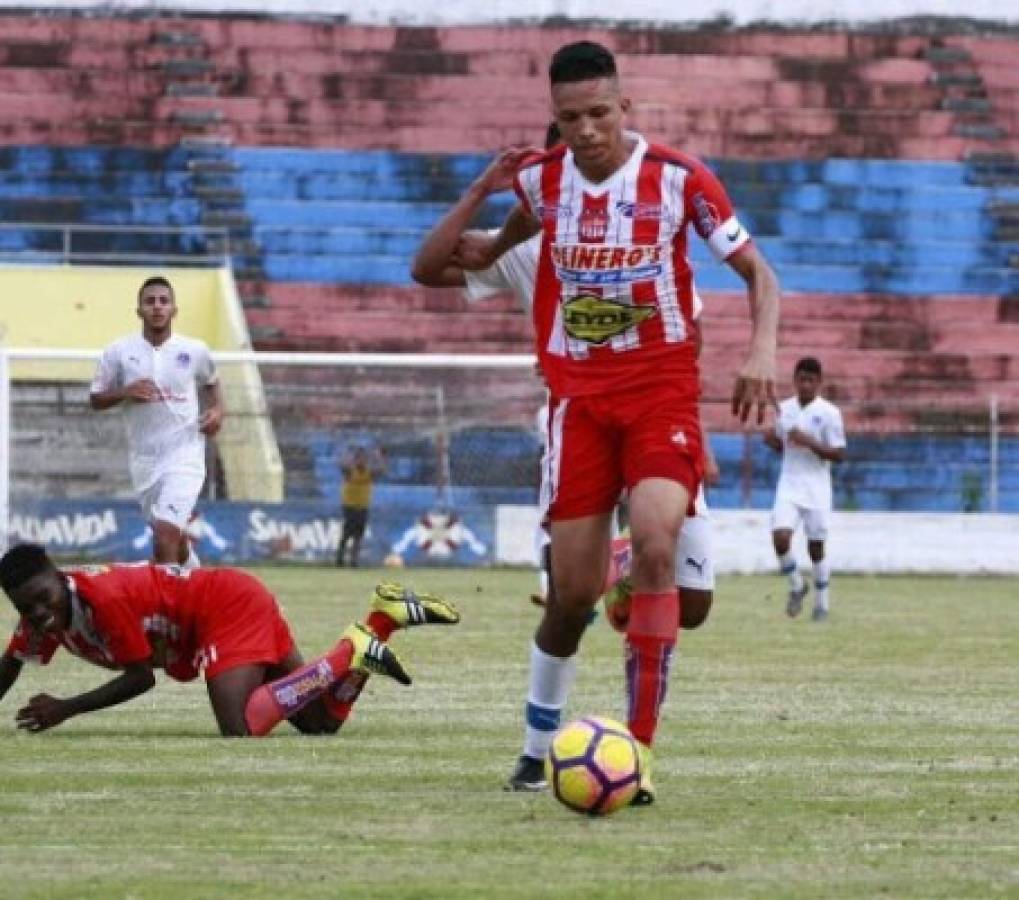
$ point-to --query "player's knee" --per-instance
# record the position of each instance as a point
(694, 607)
(166, 543)
(781, 541)
(655, 559)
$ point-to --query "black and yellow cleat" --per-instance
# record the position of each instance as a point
(372, 655)
(528, 775)
(645, 795)
(409, 608)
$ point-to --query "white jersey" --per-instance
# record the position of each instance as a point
(164, 435)
(515, 272)
(805, 479)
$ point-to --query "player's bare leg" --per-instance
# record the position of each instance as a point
(229, 693)
(782, 539)
(822, 577)
(694, 607)
(169, 543)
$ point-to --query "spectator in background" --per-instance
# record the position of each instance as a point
(360, 469)
(172, 398)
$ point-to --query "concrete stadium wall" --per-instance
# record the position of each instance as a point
(406, 12)
(860, 543)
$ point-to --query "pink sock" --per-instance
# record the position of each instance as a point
(271, 703)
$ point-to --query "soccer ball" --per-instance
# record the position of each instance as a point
(594, 766)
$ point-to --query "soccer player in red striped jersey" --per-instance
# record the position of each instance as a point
(613, 317)
(222, 623)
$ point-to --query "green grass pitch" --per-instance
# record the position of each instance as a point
(874, 755)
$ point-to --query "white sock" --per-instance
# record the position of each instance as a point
(550, 681)
(822, 577)
(787, 564)
(543, 583)
(192, 562)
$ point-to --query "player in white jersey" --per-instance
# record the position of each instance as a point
(810, 436)
(172, 398)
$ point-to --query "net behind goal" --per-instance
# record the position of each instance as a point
(455, 438)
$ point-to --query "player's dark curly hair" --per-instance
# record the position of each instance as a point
(809, 365)
(581, 61)
(21, 562)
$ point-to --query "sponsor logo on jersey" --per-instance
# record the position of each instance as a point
(552, 213)
(595, 320)
(708, 218)
(593, 224)
(632, 210)
(585, 264)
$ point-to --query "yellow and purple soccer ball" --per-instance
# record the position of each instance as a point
(594, 766)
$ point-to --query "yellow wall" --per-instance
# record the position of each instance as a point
(86, 308)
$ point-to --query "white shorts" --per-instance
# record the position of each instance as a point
(695, 568)
(786, 516)
(172, 498)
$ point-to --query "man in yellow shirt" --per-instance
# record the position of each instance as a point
(359, 472)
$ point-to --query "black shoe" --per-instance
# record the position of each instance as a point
(529, 775)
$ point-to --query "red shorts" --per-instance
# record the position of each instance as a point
(240, 624)
(601, 444)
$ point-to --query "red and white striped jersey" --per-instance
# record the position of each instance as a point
(614, 296)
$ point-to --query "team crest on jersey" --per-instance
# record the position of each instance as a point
(593, 224)
(183, 359)
(595, 320)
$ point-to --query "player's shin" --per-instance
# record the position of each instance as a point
(271, 703)
(650, 639)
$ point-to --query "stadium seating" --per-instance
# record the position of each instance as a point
(876, 170)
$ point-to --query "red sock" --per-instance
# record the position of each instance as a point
(650, 639)
(382, 624)
(271, 703)
(340, 699)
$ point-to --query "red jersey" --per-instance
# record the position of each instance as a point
(614, 297)
(124, 614)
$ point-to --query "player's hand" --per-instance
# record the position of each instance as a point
(144, 390)
(475, 250)
(499, 174)
(712, 475)
(42, 712)
(211, 420)
(796, 436)
(754, 387)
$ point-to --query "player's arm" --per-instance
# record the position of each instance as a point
(712, 474)
(10, 669)
(212, 409)
(44, 711)
(771, 439)
(755, 383)
(144, 390)
(819, 448)
(436, 263)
